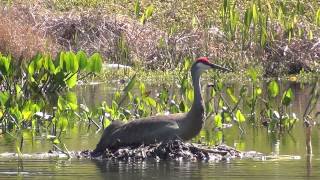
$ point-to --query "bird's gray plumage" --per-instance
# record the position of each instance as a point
(159, 128)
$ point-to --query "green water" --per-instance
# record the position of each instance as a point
(288, 149)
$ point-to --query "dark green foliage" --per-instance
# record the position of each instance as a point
(21, 106)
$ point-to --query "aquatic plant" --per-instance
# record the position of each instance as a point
(19, 100)
(250, 102)
(46, 74)
(278, 118)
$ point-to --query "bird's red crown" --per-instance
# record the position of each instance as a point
(203, 59)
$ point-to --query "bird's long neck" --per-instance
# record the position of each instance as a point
(193, 122)
(197, 106)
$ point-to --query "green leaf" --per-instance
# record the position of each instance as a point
(142, 88)
(227, 117)
(16, 112)
(51, 66)
(248, 18)
(5, 64)
(67, 62)
(255, 14)
(240, 146)
(220, 85)
(220, 103)
(253, 74)
(69, 101)
(72, 100)
(72, 81)
(151, 101)
(317, 17)
(164, 95)
(137, 8)
(225, 5)
(273, 88)
(187, 64)
(240, 117)
(31, 68)
(83, 60)
(212, 92)
(39, 62)
(258, 91)
(71, 63)
(74, 62)
(149, 11)
(56, 141)
(61, 103)
(117, 96)
(287, 97)
(4, 97)
(95, 63)
(26, 114)
(184, 84)
(230, 92)
(63, 123)
(106, 122)
(27, 111)
(218, 121)
(190, 95)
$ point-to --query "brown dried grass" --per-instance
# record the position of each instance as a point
(27, 29)
(19, 38)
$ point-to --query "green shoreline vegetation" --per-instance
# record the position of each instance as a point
(45, 47)
(21, 110)
(280, 37)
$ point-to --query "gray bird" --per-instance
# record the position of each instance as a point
(160, 128)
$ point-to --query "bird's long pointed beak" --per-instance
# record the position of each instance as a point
(215, 66)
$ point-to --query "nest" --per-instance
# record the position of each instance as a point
(170, 150)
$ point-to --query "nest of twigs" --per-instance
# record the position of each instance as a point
(170, 150)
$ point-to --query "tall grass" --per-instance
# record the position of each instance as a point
(262, 22)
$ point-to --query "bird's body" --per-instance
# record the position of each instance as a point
(159, 128)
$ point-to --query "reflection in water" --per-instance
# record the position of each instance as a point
(167, 170)
(258, 139)
(309, 165)
(308, 150)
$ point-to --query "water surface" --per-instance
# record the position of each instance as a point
(290, 160)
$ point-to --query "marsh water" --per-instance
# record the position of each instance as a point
(285, 153)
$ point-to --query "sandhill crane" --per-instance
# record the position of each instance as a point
(160, 128)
